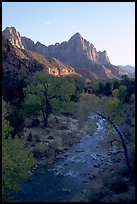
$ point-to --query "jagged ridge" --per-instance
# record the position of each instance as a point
(77, 53)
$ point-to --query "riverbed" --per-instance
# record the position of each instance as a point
(61, 180)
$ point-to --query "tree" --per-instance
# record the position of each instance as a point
(79, 82)
(16, 120)
(91, 86)
(108, 89)
(101, 88)
(47, 94)
(15, 160)
(12, 88)
(122, 93)
(115, 84)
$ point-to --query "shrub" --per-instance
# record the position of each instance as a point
(118, 185)
(56, 143)
(123, 197)
(97, 191)
(40, 150)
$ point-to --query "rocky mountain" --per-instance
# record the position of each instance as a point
(16, 58)
(76, 52)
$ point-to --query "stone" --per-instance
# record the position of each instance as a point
(50, 137)
(66, 148)
(96, 165)
(60, 174)
(66, 154)
(60, 157)
(66, 189)
(92, 177)
(79, 150)
(84, 181)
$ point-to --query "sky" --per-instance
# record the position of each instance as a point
(108, 26)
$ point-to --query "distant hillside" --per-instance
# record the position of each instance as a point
(128, 68)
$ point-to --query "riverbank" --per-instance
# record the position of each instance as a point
(53, 142)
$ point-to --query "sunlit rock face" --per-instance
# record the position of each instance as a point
(13, 36)
(61, 72)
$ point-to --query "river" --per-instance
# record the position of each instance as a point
(61, 180)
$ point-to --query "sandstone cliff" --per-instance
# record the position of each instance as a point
(76, 52)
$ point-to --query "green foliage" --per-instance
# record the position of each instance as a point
(79, 82)
(16, 120)
(48, 94)
(107, 89)
(12, 88)
(91, 101)
(91, 86)
(122, 93)
(115, 84)
(41, 148)
(6, 129)
(96, 191)
(104, 89)
(15, 161)
(111, 106)
(31, 104)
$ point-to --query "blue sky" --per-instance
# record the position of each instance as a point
(108, 26)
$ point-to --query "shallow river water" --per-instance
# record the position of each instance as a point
(64, 178)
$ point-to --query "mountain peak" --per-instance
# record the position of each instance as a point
(76, 36)
(10, 28)
(13, 36)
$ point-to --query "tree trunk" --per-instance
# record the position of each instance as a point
(123, 144)
(45, 118)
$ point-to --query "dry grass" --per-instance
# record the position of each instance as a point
(63, 130)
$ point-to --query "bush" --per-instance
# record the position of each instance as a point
(118, 185)
(97, 191)
(123, 197)
(16, 121)
(40, 150)
(56, 143)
